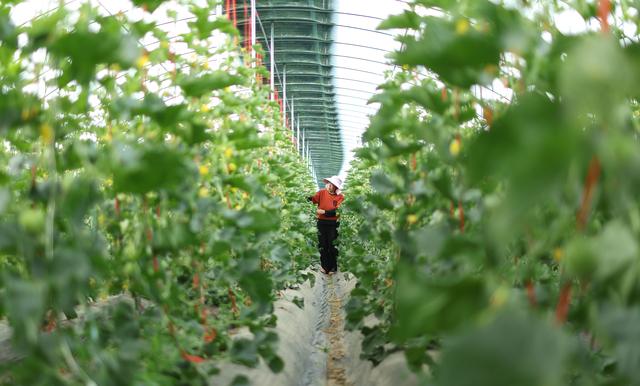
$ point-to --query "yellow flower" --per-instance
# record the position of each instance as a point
(412, 219)
(204, 108)
(46, 133)
(142, 60)
(462, 26)
(454, 147)
(231, 167)
(499, 297)
(558, 254)
(204, 170)
(203, 192)
(228, 152)
(103, 294)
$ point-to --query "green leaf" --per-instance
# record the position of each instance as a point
(298, 301)
(85, 50)
(602, 257)
(461, 59)
(240, 380)
(7, 30)
(276, 364)
(216, 80)
(24, 303)
(382, 183)
(152, 106)
(620, 329)
(594, 88)
(427, 96)
(530, 145)
(258, 286)
(144, 168)
(515, 349)
(407, 19)
(429, 305)
(149, 5)
(245, 352)
(204, 27)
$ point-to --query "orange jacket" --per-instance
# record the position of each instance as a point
(329, 202)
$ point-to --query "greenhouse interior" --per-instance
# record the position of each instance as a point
(319, 192)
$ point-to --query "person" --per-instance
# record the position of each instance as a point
(328, 201)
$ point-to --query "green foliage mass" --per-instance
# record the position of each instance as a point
(495, 238)
(145, 216)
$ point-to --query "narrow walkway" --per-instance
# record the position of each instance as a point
(316, 349)
(336, 371)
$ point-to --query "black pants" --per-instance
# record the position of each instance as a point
(327, 234)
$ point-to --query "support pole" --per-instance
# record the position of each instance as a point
(272, 53)
(298, 148)
(284, 96)
(253, 32)
(293, 123)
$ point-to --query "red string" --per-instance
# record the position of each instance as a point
(604, 8)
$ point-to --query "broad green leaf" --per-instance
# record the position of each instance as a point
(203, 26)
(245, 352)
(620, 329)
(604, 256)
(258, 286)
(216, 80)
(514, 349)
(148, 5)
(407, 19)
(460, 58)
(431, 305)
(86, 50)
(144, 168)
(593, 88)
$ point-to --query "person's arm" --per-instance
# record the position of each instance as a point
(333, 212)
(315, 198)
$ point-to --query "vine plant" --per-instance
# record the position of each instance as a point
(495, 240)
(149, 201)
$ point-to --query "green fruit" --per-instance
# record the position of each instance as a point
(32, 220)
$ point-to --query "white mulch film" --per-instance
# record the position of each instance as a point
(314, 346)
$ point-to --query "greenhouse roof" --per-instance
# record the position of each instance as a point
(331, 58)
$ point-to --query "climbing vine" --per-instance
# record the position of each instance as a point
(495, 237)
(149, 200)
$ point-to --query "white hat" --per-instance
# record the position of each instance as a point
(335, 180)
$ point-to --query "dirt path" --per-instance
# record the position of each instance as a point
(336, 371)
